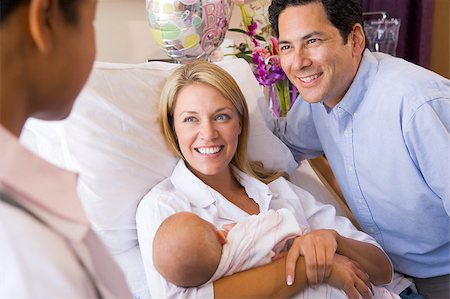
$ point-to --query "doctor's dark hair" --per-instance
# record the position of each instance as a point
(343, 14)
(69, 9)
(210, 74)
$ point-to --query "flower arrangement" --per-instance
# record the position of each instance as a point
(260, 50)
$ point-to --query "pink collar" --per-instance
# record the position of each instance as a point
(37, 183)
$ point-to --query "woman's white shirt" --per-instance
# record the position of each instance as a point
(183, 191)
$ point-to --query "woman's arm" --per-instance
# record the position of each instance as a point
(332, 234)
(319, 247)
(268, 281)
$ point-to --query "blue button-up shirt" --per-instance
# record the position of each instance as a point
(387, 142)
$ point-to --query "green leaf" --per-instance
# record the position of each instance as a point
(247, 58)
(259, 37)
(237, 30)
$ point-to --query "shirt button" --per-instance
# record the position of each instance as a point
(371, 230)
(346, 133)
(355, 115)
(350, 168)
(360, 201)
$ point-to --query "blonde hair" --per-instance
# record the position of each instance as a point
(207, 73)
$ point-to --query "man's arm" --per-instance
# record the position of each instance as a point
(297, 130)
(428, 142)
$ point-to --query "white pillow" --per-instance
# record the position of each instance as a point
(112, 139)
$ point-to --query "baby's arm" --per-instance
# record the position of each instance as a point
(290, 231)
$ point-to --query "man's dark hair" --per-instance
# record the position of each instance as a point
(343, 14)
(68, 8)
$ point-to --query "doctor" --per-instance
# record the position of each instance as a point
(47, 248)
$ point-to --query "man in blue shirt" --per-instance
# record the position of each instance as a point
(383, 124)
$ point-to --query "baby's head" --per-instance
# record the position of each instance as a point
(187, 249)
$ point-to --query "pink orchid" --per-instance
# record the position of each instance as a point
(261, 52)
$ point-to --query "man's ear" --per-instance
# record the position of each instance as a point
(41, 27)
(358, 38)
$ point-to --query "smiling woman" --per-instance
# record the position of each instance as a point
(208, 81)
(207, 131)
(204, 119)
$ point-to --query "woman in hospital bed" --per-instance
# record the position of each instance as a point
(204, 118)
(189, 251)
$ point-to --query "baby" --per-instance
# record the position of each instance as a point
(189, 251)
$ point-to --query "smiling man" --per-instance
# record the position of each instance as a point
(383, 124)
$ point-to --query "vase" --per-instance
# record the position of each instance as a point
(278, 96)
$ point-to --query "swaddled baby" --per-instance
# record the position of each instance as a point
(189, 251)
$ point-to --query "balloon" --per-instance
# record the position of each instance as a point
(189, 29)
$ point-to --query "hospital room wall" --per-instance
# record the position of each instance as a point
(123, 34)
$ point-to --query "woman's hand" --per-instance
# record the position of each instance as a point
(349, 276)
(318, 248)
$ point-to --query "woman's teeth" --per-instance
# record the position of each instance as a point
(209, 150)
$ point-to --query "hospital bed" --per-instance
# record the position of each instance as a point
(112, 140)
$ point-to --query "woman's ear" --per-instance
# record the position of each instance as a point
(358, 38)
(41, 25)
